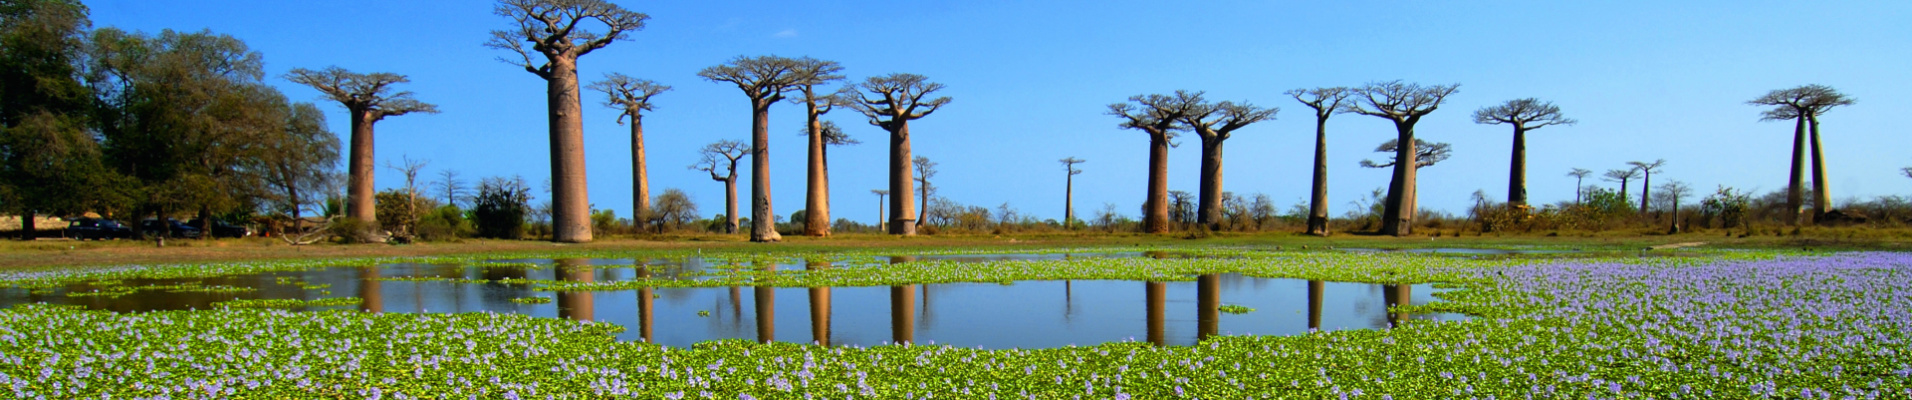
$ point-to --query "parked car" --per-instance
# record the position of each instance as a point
(97, 229)
(152, 227)
(221, 229)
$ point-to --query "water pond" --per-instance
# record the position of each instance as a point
(1023, 314)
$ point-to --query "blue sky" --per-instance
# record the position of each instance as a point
(1031, 80)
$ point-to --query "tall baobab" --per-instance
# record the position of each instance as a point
(1646, 181)
(1579, 175)
(723, 155)
(1622, 176)
(812, 73)
(1524, 115)
(1068, 189)
(879, 206)
(925, 169)
(1791, 104)
(1404, 104)
(1326, 102)
(554, 29)
(1160, 117)
(632, 97)
(368, 98)
(763, 79)
(1823, 99)
(1215, 123)
(832, 136)
(891, 102)
(1675, 191)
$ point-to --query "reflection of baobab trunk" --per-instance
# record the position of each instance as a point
(1208, 301)
(1314, 304)
(1157, 294)
(766, 313)
(819, 308)
(903, 313)
(369, 290)
(645, 299)
(766, 306)
(576, 305)
(736, 304)
(1396, 296)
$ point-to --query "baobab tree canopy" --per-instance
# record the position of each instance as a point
(1426, 153)
(372, 93)
(630, 96)
(558, 29)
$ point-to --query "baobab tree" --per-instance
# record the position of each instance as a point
(1524, 115)
(925, 169)
(632, 97)
(1675, 191)
(1404, 104)
(1646, 181)
(368, 98)
(1068, 189)
(813, 73)
(764, 80)
(832, 136)
(1326, 102)
(891, 102)
(879, 206)
(1622, 176)
(1579, 175)
(554, 30)
(1160, 117)
(1426, 154)
(1791, 104)
(1215, 123)
(723, 155)
(1823, 99)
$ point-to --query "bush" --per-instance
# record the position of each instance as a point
(500, 208)
(445, 223)
(350, 230)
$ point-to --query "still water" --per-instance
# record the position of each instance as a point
(1023, 314)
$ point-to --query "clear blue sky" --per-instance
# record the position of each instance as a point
(1646, 79)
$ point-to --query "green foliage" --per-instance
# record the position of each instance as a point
(1235, 309)
(1728, 205)
(605, 222)
(673, 210)
(394, 213)
(445, 223)
(500, 208)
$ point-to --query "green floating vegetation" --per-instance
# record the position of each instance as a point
(434, 279)
(288, 303)
(1235, 309)
(531, 300)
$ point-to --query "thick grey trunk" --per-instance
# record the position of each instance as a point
(1156, 219)
(1517, 171)
(1821, 195)
(1318, 202)
(1209, 214)
(1397, 216)
(763, 220)
(570, 200)
(902, 183)
(1795, 197)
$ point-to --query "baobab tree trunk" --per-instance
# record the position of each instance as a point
(570, 203)
(1646, 190)
(358, 203)
(1821, 196)
(1156, 219)
(640, 181)
(1068, 200)
(902, 182)
(1318, 203)
(730, 204)
(1794, 187)
(1397, 217)
(1517, 172)
(922, 214)
(816, 221)
(763, 220)
(1210, 214)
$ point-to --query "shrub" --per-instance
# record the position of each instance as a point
(500, 208)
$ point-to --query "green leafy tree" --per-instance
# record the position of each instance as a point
(501, 207)
(49, 163)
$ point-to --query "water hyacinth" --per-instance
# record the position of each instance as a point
(1752, 325)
